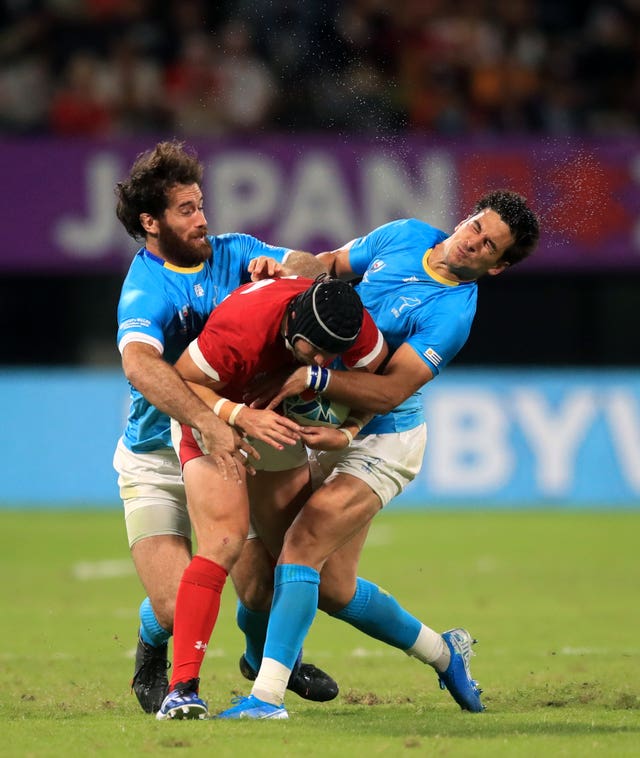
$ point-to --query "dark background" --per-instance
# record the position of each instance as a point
(110, 69)
(556, 320)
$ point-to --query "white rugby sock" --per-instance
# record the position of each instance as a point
(430, 648)
(271, 682)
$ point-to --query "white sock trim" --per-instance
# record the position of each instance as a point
(271, 683)
(429, 647)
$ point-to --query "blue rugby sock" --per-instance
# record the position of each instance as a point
(295, 602)
(253, 624)
(150, 630)
(378, 614)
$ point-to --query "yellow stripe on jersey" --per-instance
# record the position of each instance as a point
(184, 270)
(432, 273)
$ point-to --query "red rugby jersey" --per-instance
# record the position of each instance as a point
(242, 338)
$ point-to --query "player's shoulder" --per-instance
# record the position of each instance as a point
(138, 263)
(142, 272)
(146, 265)
(409, 230)
(418, 227)
(231, 240)
(226, 238)
(240, 246)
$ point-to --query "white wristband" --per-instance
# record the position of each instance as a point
(218, 405)
(234, 413)
(347, 434)
(355, 421)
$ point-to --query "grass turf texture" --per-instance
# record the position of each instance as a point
(552, 597)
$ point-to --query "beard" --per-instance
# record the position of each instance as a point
(180, 252)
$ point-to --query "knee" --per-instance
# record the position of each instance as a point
(224, 550)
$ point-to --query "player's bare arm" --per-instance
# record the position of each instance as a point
(337, 263)
(296, 262)
(163, 387)
(264, 391)
(377, 393)
(335, 438)
(209, 398)
(265, 425)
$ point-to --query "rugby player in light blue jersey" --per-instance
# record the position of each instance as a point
(419, 284)
(173, 284)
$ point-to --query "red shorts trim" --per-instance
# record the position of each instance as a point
(189, 446)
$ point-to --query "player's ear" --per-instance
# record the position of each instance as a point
(148, 223)
(498, 268)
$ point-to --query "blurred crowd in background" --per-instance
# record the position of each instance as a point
(104, 68)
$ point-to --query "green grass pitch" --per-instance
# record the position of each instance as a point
(553, 598)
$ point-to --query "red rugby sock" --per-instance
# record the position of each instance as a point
(197, 606)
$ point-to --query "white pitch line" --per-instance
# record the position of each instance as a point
(361, 652)
(89, 570)
(593, 651)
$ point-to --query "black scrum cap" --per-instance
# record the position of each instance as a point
(328, 315)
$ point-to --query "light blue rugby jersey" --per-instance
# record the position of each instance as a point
(411, 303)
(167, 306)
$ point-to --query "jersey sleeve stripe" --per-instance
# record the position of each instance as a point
(373, 354)
(198, 358)
(140, 337)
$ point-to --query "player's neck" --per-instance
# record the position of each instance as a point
(438, 264)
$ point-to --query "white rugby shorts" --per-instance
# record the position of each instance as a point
(386, 462)
(152, 493)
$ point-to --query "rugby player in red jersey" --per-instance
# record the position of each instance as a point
(258, 329)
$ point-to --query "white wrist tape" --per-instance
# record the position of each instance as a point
(234, 413)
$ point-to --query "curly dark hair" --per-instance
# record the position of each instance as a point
(521, 220)
(151, 177)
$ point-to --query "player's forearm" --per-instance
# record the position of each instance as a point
(404, 374)
(163, 387)
(371, 393)
(337, 263)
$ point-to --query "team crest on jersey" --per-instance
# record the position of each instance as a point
(198, 290)
(377, 265)
(431, 354)
(405, 302)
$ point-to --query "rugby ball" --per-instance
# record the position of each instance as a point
(309, 409)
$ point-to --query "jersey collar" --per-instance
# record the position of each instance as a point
(432, 273)
(170, 266)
